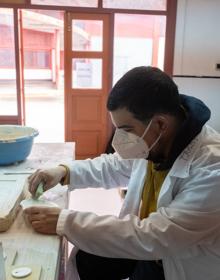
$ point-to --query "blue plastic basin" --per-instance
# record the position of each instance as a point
(15, 143)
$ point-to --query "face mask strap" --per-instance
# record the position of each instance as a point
(158, 138)
(147, 128)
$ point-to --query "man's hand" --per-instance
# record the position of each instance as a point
(49, 177)
(43, 219)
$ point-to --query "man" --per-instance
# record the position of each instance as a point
(169, 225)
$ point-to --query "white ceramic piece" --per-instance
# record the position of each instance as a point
(21, 272)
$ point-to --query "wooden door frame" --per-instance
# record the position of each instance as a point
(106, 68)
(170, 36)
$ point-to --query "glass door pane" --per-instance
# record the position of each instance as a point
(8, 91)
(86, 73)
(139, 40)
(87, 35)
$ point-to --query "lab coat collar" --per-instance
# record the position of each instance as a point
(181, 166)
(197, 115)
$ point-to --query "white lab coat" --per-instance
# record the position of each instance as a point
(185, 230)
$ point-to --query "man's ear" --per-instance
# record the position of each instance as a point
(161, 121)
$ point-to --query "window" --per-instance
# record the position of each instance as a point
(137, 4)
(139, 40)
(7, 58)
(37, 59)
(72, 3)
(8, 90)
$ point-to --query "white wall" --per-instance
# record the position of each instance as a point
(208, 90)
(197, 50)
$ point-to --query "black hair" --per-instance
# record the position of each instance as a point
(145, 91)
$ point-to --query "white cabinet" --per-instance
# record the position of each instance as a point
(197, 43)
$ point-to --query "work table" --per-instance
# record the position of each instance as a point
(21, 243)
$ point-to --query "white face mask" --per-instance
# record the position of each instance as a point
(131, 146)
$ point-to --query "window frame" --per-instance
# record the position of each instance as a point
(170, 14)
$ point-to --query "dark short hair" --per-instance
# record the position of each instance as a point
(145, 91)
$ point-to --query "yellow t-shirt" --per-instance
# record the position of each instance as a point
(153, 182)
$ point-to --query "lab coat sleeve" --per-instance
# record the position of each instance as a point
(106, 171)
(190, 221)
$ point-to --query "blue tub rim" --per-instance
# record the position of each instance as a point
(34, 133)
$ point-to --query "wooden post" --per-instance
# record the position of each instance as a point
(155, 37)
(57, 57)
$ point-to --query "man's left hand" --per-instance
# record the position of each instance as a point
(43, 219)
